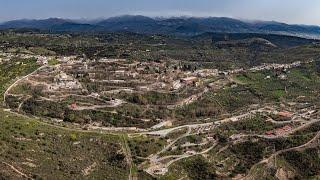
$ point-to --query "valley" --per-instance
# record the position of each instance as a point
(133, 106)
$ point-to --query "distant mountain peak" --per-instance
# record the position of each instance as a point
(172, 25)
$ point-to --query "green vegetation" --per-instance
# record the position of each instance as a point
(248, 153)
(153, 98)
(306, 163)
(41, 51)
(195, 168)
(300, 81)
(255, 125)
(143, 91)
(53, 62)
(9, 71)
(214, 104)
(44, 151)
(142, 147)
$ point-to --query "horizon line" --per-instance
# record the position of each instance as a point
(155, 17)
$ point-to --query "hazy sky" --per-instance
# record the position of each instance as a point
(290, 11)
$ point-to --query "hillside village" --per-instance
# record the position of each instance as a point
(151, 115)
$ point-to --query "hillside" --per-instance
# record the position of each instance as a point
(140, 106)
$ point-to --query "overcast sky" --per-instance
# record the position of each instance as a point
(290, 11)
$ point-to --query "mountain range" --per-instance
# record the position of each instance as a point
(172, 26)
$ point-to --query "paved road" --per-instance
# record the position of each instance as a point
(165, 132)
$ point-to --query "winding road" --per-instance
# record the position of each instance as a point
(6, 93)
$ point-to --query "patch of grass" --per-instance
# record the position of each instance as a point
(53, 62)
(279, 93)
(243, 78)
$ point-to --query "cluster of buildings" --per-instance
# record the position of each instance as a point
(143, 76)
(275, 66)
(205, 129)
(64, 81)
(41, 60)
(285, 114)
(4, 57)
(279, 131)
(262, 67)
